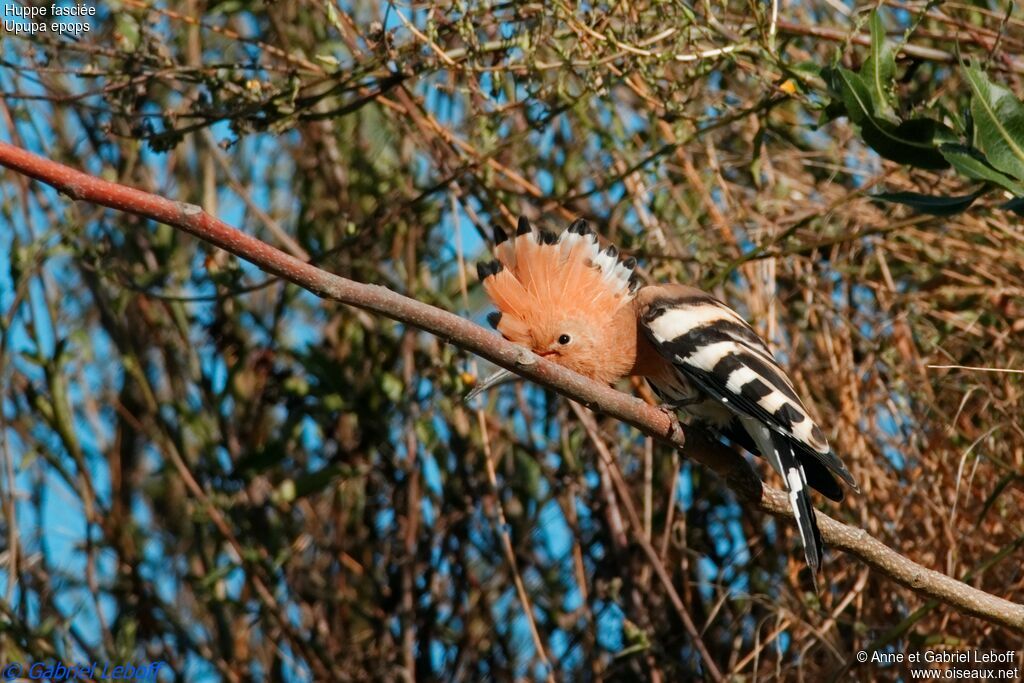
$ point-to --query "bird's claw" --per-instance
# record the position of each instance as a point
(674, 430)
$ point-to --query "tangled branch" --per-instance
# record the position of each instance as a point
(471, 337)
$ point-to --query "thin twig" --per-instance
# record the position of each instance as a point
(587, 419)
(969, 367)
(498, 514)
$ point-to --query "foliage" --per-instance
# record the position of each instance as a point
(206, 467)
(988, 145)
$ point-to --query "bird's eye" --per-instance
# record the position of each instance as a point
(564, 339)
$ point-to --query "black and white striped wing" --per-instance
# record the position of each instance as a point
(719, 353)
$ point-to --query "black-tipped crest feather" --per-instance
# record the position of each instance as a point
(484, 269)
(499, 235)
(580, 227)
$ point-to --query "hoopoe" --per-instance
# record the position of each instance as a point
(581, 306)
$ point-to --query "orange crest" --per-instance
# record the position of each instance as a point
(540, 279)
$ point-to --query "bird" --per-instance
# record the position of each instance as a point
(582, 306)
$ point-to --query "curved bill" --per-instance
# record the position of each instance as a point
(500, 377)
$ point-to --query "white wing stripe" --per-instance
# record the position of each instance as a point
(739, 377)
(707, 357)
(804, 432)
(774, 401)
(771, 402)
(680, 320)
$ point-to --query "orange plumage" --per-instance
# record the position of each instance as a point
(565, 299)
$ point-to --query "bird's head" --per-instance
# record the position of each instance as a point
(564, 298)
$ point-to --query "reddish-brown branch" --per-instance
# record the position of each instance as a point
(466, 335)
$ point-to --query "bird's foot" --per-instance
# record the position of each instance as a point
(674, 430)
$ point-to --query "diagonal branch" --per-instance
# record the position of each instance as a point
(471, 337)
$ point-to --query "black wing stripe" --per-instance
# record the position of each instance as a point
(719, 353)
(819, 477)
(708, 383)
(767, 372)
(688, 343)
(704, 335)
(705, 382)
(682, 302)
(755, 390)
(788, 416)
(687, 314)
(708, 339)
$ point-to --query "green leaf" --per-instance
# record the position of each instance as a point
(260, 460)
(936, 206)
(808, 67)
(127, 28)
(998, 123)
(227, 8)
(911, 142)
(329, 60)
(879, 69)
(317, 481)
(392, 386)
(969, 162)
(832, 111)
(209, 580)
(1016, 205)
(852, 93)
